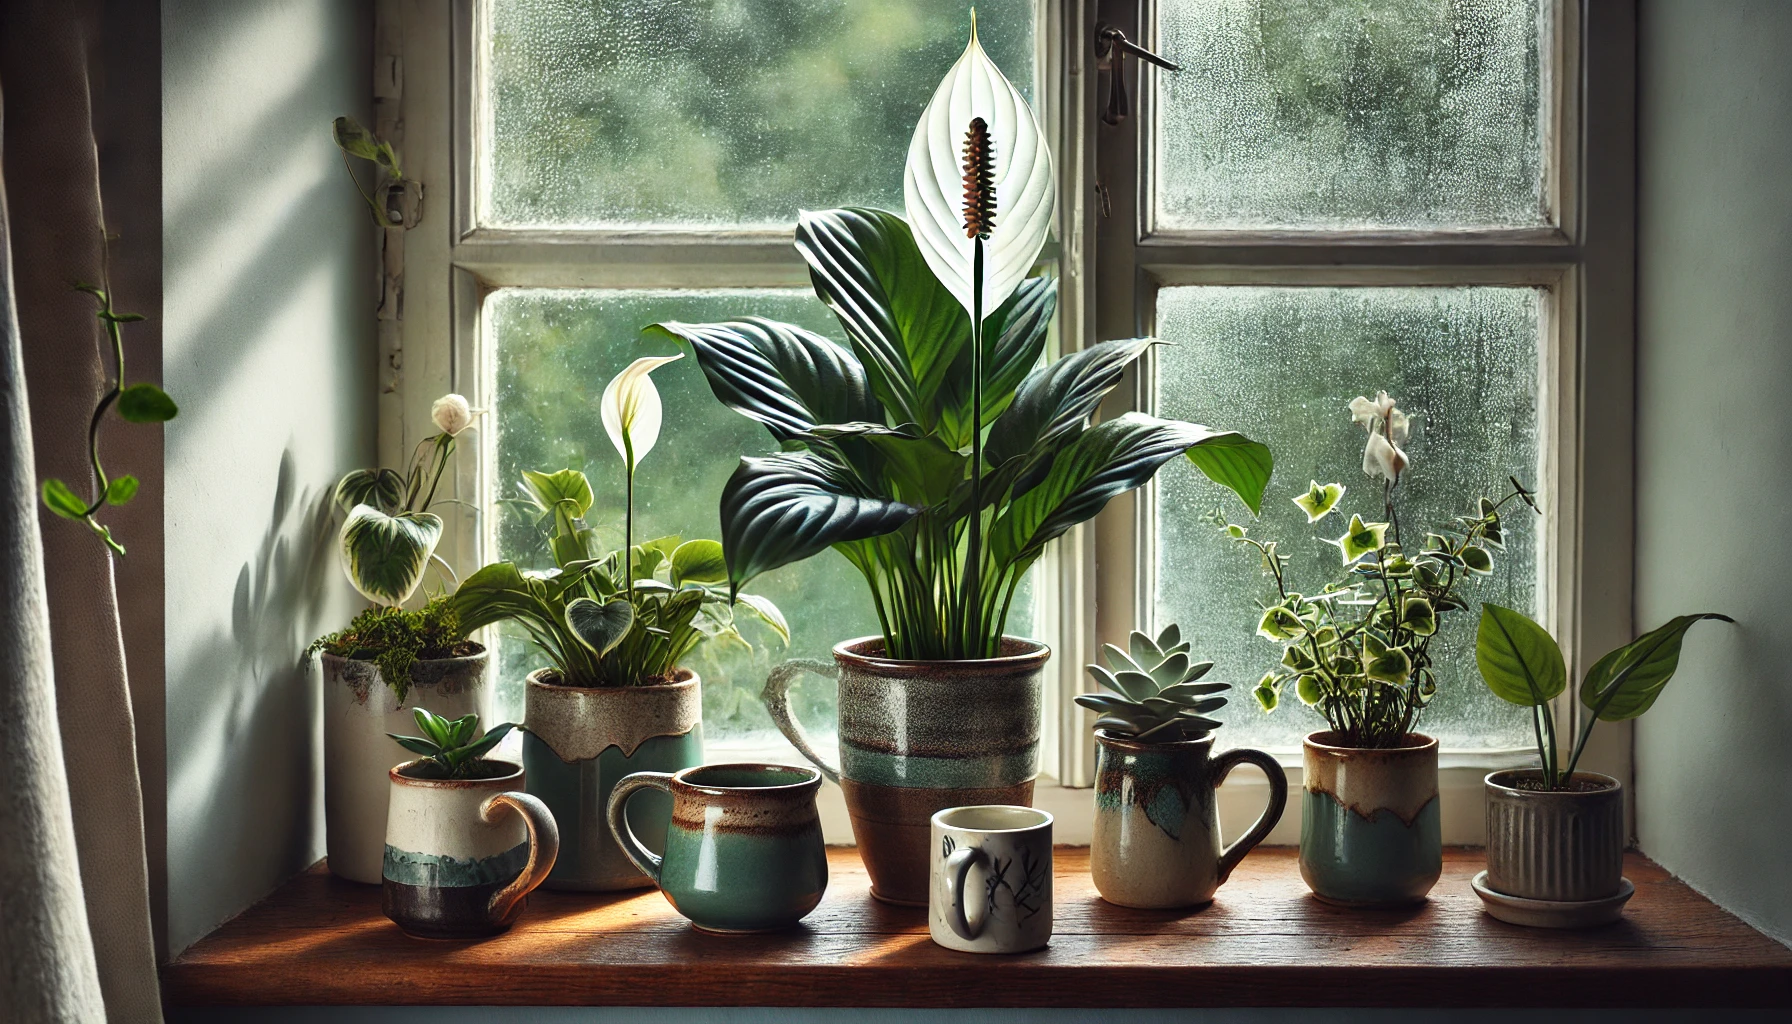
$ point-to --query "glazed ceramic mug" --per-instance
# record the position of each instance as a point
(461, 854)
(743, 851)
(992, 879)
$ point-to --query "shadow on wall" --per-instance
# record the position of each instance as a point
(265, 703)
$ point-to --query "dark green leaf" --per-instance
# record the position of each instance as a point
(381, 488)
(1519, 660)
(483, 745)
(1057, 399)
(416, 744)
(784, 508)
(1626, 682)
(599, 626)
(782, 376)
(923, 470)
(146, 403)
(1014, 338)
(121, 489)
(60, 499)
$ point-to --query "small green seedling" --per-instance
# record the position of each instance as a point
(451, 749)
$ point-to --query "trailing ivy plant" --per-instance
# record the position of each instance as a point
(453, 749)
(395, 639)
(136, 403)
(598, 621)
(1522, 664)
(1359, 650)
(933, 451)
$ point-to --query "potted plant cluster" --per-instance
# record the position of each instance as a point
(1359, 652)
(937, 455)
(614, 628)
(1555, 836)
(390, 658)
(1157, 829)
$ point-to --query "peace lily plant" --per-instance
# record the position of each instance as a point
(599, 622)
(932, 450)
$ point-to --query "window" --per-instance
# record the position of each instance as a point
(1327, 199)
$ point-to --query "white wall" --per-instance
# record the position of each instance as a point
(269, 344)
(1714, 444)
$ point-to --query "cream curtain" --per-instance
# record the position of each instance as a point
(75, 937)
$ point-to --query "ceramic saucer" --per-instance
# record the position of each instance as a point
(1552, 913)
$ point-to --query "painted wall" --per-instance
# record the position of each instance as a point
(269, 344)
(1714, 444)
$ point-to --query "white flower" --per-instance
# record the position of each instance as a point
(1388, 428)
(451, 414)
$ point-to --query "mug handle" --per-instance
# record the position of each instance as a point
(1278, 801)
(957, 870)
(642, 857)
(776, 696)
(544, 847)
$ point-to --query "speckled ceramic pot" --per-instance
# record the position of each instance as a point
(1157, 822)
(917, 737)
(744, 850)
(359, 710)
(1566, 847)
(1370, 831)
(581, 741)
(462, 854)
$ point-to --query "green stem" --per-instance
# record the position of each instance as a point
(973, 582)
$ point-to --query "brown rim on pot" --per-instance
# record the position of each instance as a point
(686, 677)
(811, 780)
(1020, 655)
(1314, 740)
(515, 775)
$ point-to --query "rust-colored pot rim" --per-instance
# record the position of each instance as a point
(1497, 781)
(681, 779)
(506, 781)
(1131, 745)
(483, 654)
(847, 652)
(1317, 741)
(686, 679)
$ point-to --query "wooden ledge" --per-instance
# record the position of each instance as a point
(1264, 942)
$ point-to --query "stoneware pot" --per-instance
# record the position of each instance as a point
(1157, 821)
(1557, 848)
(581, 741)
(1370, 831)
(744, 851)
(917, 737)
(991, 889)
(461, 854)
(359, 710)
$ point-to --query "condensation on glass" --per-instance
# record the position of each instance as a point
(1280, 364)
(691, 113)
(555, 350)
(1359, 115)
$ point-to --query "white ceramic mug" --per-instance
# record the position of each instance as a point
(992, 879)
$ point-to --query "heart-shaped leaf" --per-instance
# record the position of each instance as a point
(1626, 682)
(599, 626)
(548, 490)
(385, 556)
(631, 408)
(1519, 661)
(1388, 664)
(146, 403)
(933, 182)
(785, 508)
(381, 488)
(121, 489)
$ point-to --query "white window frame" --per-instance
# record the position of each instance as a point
(427, 74)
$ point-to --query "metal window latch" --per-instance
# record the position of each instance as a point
(1112, 48)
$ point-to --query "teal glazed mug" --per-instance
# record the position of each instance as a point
(744, 850)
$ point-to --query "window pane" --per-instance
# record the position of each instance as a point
(716, 112)
(1361, 114)
(1280, 364)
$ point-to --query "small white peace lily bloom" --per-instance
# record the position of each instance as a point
(1388, 427)
(631, 409)
(451, 414)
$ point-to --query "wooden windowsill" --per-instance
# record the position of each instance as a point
(1264, 942)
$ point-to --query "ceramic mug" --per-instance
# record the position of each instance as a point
(461, 854)
(743, 851)
(992, 879)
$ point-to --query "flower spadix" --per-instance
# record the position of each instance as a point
(1020, 176)
(631, 409)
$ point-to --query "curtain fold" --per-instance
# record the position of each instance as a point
(72, 829)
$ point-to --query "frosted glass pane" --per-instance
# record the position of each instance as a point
(1360, 114)
(717, 112)
(1280, 364)
(555, 350)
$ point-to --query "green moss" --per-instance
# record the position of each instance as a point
(395, 639)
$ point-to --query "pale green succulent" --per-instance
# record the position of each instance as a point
(1156, 697)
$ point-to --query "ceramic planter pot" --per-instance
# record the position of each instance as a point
(359, 710)
(744, 851)
(1157, 824)
(918, 737)
(462, 854)
(1370, 830)
(581, 741)
(1566, 847)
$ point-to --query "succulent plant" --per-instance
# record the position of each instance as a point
(452, 749)
(1156, 697)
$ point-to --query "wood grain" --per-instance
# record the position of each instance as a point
(1264, 942)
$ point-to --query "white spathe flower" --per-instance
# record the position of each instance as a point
(933, 182)
(451, 414)
(631, 409)
(1388, 428)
